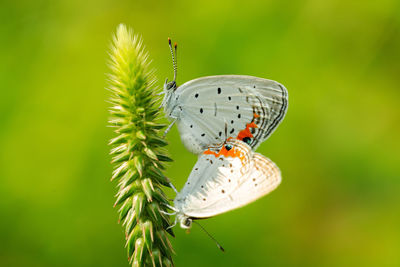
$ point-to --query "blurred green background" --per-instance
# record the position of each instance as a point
(338, 147)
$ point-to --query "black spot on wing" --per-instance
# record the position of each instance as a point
(247, 140)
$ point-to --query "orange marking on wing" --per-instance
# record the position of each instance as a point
(233, 152)
(246, 132)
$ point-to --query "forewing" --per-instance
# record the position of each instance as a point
(246, 106)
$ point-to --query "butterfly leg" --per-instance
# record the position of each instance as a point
(171, 226)
(161, 105)
(170, 207)
(169, 127)
(173, 187)
(168, 213)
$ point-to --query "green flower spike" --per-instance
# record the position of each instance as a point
(138, 154)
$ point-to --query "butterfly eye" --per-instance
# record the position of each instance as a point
(247, 140)
(170, 85)
(188, 223)
(228, 147)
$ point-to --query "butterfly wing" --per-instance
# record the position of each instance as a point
(250, 107)
(214, 168)
(263, 177)
(223, 180)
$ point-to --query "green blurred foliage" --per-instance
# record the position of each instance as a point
(338, 147)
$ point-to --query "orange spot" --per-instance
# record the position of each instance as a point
(246, 132)
(233, 152)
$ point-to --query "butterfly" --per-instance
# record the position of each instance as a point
(225, 177)
(252, 108)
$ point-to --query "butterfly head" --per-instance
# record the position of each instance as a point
(184, 221)
(169, 85)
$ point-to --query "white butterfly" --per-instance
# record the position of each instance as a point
(224, 178)
(251, 107)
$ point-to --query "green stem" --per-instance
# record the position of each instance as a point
(138, 154)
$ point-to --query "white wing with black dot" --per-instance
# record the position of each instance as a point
(225, 178)
(249, 107)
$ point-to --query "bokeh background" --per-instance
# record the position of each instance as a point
(338, 147)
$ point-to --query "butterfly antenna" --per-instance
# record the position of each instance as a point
(176, 61)
(210, 236)
(173, 55)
